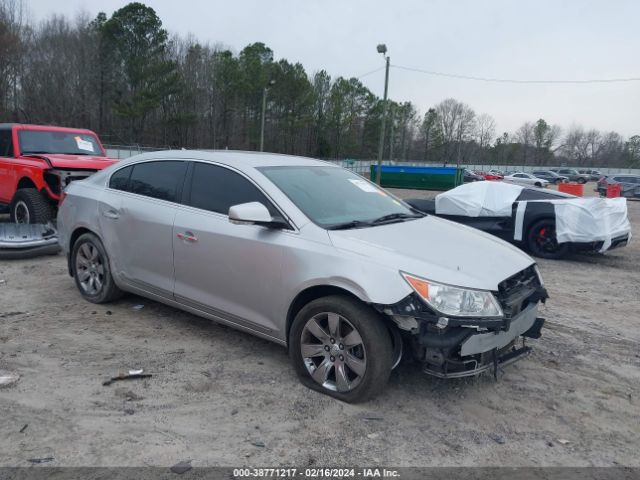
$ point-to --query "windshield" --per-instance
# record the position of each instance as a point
(332, 196)
(72, 143)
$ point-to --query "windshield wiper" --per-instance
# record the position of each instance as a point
(395, 216)
(349, 225)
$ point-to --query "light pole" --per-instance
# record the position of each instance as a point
(382, 48)
(264, 108)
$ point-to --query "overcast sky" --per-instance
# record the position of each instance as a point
(542, 39)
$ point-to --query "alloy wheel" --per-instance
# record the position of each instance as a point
(333, 352)
(90, 269)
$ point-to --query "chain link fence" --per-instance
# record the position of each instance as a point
(363, 167)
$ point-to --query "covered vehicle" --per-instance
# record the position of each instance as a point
(547, 223)
(305, 254)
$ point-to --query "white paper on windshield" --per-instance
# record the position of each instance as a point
(364, 185)
(84, 144)
(479, 199)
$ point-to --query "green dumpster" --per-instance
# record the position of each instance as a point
(422, 178)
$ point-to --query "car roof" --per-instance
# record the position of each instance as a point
(233, 158)
(54, 128)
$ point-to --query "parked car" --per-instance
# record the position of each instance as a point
(469, 176)
(550, 176)
(306, 254)
(522, 178)
(547, 223)
(629, 184)
(572, 174)
(37, 162)
(489, 176)
(594, 175)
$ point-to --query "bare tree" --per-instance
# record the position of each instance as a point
(457, 121)
(485, 130)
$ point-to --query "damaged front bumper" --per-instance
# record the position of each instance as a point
(451, 347)
(27, 240)
(473, 352)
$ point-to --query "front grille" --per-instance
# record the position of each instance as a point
(519, 290)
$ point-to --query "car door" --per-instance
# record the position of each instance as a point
(233, 272)
(136, 214)
(7, 172)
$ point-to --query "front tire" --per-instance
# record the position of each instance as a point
(342, 348)
(542, 240)
(91, 271)
(29, 206)
(582, 181)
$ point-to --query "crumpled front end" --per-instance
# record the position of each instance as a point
(450, 347)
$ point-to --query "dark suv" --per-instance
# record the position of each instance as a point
(572, 174)
(549, 176)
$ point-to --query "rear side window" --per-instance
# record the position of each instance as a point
(120, 179)
(6, 145)
(160, 180)
(216, 189)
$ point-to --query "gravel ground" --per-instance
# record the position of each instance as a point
(221, 397)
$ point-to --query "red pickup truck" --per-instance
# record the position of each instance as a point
(37, 162)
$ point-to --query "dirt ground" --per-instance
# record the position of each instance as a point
(222, 397)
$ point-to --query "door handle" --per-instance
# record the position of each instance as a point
(187, 237)
(111, 214)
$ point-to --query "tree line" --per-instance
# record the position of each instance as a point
(128, 79)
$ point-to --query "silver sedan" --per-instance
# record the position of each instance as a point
(527, 179)
(306, 254)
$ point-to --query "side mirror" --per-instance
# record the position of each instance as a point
(254, 213)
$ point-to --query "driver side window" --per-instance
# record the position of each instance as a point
(216, 188)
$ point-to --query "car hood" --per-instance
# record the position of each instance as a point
(87, 162)
(437, 250)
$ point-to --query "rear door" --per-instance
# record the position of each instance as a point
(136, 215)
(233, 272)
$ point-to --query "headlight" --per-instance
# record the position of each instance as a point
(537, 270)
(455, 301)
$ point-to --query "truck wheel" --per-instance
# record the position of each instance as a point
(341, 348)
(90, 268)
(542, 241)
(29, 206)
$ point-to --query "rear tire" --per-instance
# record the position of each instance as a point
(582, 181)
(558, 181)
(342, 348)
(30, 206)
(542, 241)
(91, 270)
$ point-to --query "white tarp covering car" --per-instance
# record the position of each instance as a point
(546, 222)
